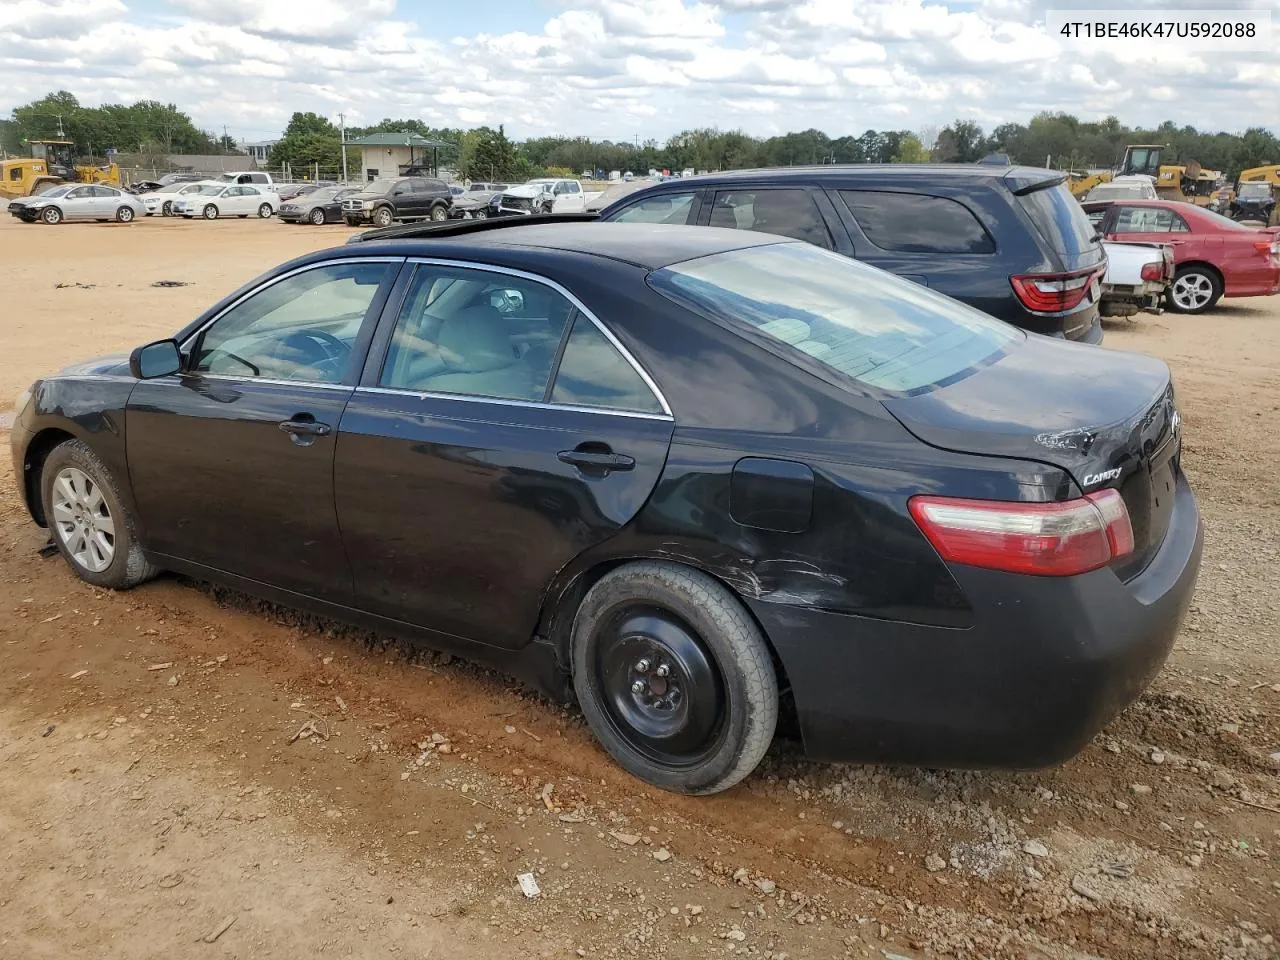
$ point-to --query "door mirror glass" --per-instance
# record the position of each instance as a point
(507, 301)
(159, 359)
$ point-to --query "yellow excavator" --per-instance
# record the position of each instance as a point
(51, 162)
(1187, 182)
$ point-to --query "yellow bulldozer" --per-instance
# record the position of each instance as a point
(1187, 182)
(51, 162)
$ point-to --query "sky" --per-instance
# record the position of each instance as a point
(623, 69)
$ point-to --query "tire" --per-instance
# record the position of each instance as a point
(352, 223)
(316, 217)
(76, 485)
(712, 716)
(480, 214)
(382, 217)
(124, 215)
(210, 212)
(439, 213)
(264, 211)
(51, 215)
(1195, 289)
(166, 209)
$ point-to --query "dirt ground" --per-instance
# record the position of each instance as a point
(179, 758)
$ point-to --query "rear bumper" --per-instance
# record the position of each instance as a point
(1047, 664)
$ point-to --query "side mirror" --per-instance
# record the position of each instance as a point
(159, 359)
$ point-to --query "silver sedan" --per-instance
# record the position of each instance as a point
(78, 201)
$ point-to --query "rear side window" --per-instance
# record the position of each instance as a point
(862, 322)
(915, 223)
(593, 373)
(1148, 220)
(1059, 219)
(788, 213)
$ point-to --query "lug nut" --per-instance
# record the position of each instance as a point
(638, 687)
(663, 670)
(642, 665)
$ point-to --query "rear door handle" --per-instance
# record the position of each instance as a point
(591, 461)
(305, 428)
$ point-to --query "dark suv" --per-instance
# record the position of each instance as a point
(398, 198)
(1011, 241)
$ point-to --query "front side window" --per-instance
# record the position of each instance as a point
(80, 193)
(916, 223)
(1148, 220)
(476, 333)
(592, 373)
(816, 306)
(786, 212)
(664, 208)
(300, 328)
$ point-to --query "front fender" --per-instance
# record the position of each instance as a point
(90, 408)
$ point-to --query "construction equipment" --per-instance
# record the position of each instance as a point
(1269, 173)
(51, 162)
(1186, 182)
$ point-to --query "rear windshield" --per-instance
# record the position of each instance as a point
(1060, 220)
(867, 324)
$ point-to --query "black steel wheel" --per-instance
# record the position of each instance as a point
(674, 677)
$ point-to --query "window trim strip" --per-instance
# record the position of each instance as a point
(505, 402)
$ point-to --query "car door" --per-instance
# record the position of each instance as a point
(80, 204)
(568, 198)
(797, 212)
(402, 199)
(498, 431)
(1152, 224)
(231, 461)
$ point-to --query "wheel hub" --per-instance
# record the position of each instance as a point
(83, 520)
(661, 689)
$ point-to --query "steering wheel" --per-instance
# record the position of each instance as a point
(318, 349)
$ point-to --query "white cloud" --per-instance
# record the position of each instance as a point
(620, 68)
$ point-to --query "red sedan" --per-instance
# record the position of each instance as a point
(1213, 257)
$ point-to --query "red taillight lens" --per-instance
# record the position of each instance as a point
(1153, 271)
(1268, 248)
(1045, 539)
(1053, 292)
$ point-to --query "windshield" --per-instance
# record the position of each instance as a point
(1118, 191)
(1254, 191)
(324, 193)
(54, 192)
(378, 186)
(1221, 222)
(867, 324)
(212, 190)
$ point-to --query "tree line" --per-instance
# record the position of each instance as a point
(1059, 140)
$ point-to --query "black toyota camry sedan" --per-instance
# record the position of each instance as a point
(676, 471)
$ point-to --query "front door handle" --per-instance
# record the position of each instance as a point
(305, 430)
(594, 461)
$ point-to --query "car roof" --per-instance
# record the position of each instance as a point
(648, 245)
(906, 171)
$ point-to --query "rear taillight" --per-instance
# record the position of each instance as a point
(1153, 271)
(1268, 248)
(1045, 539)
(1053, 292)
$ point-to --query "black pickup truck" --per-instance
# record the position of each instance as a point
(381, 202)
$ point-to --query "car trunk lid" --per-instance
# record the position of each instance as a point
(1106, 417)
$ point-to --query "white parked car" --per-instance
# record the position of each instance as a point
(1131, 187)
(545, 195)
(216, 200)
(78, 201)
(161, 201)
(1138, 274)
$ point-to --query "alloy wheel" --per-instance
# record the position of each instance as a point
(1192, 291)
(83, 520)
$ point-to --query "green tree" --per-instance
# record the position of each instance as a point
(911, 150)
(309, 140)
(487, 154)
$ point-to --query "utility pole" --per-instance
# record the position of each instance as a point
(60, 133)
(342, 127)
